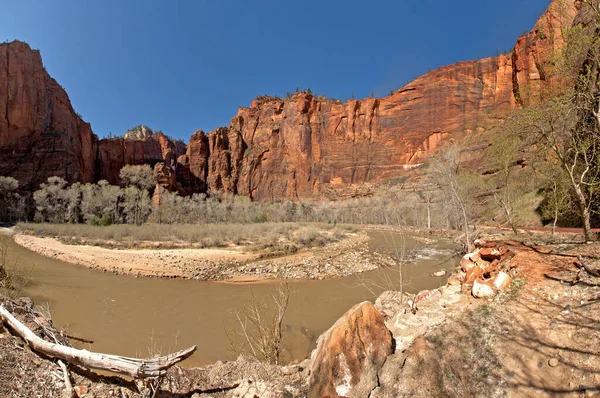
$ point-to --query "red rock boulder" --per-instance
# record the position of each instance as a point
(350, 354)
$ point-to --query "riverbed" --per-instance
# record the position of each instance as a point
(132, 316)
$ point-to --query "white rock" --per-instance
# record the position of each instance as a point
(481, 290)
(502, 281)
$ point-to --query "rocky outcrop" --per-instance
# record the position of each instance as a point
(41, 135)
(349, 355)
(532, 57)
(137, 147)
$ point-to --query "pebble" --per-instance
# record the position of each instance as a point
(553, 362)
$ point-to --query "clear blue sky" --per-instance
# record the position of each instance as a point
(179, 66)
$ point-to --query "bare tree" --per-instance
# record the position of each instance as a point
(568, 125)
(141, 177)
(458, 186)
(260, 324)
(11, 203)
(136, 203)
(52, 201)
(502, 156)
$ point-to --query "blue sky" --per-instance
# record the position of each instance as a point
(180, 65)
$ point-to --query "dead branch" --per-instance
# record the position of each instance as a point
(68, 386)
(133, 367)
(587, 268)
(80, 339)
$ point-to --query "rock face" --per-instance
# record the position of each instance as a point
(306, 147)
(137, 147)
(296, 148)
(40, 133)
(349, 355)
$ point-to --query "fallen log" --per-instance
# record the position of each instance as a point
(133, 367)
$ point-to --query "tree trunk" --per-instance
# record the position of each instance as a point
(469, 246)
(509, 218)
(587, 227)
(133, 367)
(585, 215)
(428, 214)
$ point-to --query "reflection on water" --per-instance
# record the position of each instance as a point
(125, 315)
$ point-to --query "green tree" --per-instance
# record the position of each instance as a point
(567, 126)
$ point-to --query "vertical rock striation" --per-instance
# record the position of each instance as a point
(301, 147)
(308, 147)
(40, 133)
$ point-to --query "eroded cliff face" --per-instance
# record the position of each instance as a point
(296, 148)
(136, 148)
(40, 133)
(303, 147)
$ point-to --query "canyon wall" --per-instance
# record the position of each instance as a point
(300, 147)
(142, 146)
(308, 147)
(40, 133)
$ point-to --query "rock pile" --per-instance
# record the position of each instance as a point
(487, 270)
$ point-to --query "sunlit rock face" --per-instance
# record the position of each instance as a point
(301, 147)
(310, 147)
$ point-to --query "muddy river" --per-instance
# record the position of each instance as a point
(132, 316)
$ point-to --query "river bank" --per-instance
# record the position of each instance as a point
(235, 264)
(535, 338)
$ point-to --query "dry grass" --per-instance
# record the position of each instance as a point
(274, 238)
(13, 275)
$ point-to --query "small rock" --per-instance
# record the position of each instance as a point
(80, 390)
(490, 254)
(439, 273)
(553, 362)
(481, 290)
(502, 281)
(473, 274)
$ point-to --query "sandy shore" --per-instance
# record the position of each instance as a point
(149, 262)
(235, 264)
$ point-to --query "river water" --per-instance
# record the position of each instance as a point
(131, 316)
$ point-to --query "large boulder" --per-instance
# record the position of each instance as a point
(350, 354)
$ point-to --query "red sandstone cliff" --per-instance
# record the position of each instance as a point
(303, 147)
(295, 148)
(142, 146)
(40, 133)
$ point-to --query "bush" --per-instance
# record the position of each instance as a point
(103, 221)
(305, 236)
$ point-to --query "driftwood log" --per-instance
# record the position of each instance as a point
(134, 367)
